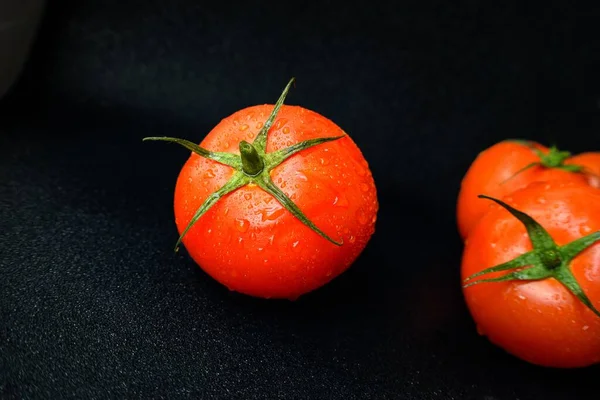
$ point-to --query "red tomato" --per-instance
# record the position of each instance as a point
(539, 313)
(250, 240)
(505, 167)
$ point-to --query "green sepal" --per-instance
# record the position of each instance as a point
(268, 186)
(260, 141)
(277, 157)
(238, 180)
(540, 239)
(229, 159)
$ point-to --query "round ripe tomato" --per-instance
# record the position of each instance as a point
(250, 239)
(503, 168)
(532, 314)
(590, 162)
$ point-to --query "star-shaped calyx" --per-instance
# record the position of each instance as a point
(554, 158)
(253, 166)
(546, 260)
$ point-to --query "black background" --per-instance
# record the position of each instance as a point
(94, 303)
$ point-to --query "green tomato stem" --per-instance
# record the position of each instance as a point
(252, 162)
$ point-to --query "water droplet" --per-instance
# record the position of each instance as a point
(205, 183)
(260, 249)
(240, 240)
(268, 199)
(272, 214)
(243, 127)
(295, 244)
(301, 176)
(364, 187)
(522, 297)
(340, 201)
(280, 123)
(584, 229)
(259, 125)
(286, 130)
(250, 135)
(352, 239)
(226, 211)
(253, 235)
(209, 230)
(374, 219)
(271, 239)
(542, 200)
(361, 217)
(493, 245)
(283, 184)
(190, 179)
(248, 196)
(209, 174)
(241, 225)
(323, 161)
(585, 327)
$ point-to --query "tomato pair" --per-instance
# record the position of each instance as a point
(530, 217)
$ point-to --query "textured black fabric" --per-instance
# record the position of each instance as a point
(94, 303)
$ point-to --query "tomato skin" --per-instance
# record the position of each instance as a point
(538, 321)
(495, 172)
(590, 161)
(251, 243)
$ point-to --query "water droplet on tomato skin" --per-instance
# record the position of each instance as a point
(248, 196)
(364, 187)
(241, 225)
(585, 328)
(271, 215)
(340, 201)
(280, 123)
(243, 127)
(301, 176)
(352, 239)
(259, 125)
(361, 217)
(584, 230)
(286, 130)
